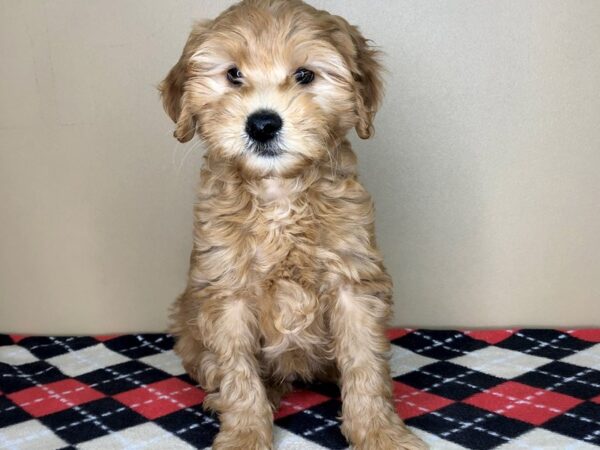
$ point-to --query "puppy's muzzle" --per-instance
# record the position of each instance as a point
(262, 127)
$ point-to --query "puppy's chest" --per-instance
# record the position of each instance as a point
(286, 236)
(287, 273)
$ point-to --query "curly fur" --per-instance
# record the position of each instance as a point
(285, 279)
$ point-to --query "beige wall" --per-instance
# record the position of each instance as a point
(485, 167)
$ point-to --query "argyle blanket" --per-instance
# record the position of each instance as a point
(508, 389)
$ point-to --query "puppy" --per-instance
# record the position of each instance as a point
(285, 279)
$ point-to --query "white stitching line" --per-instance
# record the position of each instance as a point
(162, 396)
(466, 425)
(69, 339)
(56, 395)
(78, 422)
(437, 343)
(571, 378)
(145, 343)
(542, 344)
(328, 422)
(16, 375)
(592, 436)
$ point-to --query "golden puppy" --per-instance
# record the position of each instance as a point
(285, 279)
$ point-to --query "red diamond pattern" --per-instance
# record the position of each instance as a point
(161, 398)
(106, 337)
(17, 337)
(491, 336)
(523, 402)
(586, 335)
(53, 397)
(411, 402)
(298, 401)
(396, 333)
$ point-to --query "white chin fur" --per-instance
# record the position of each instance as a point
(270, 165)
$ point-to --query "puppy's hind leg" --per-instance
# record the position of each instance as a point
(230, 332)
(369, 417)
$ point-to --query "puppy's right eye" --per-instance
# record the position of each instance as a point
(234, 76)
(304, 76)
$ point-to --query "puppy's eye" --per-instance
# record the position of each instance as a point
(304, 76)
(234, 76)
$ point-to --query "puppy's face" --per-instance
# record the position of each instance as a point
(272, 84)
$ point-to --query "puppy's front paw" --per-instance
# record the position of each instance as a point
(242, 440)
(391, 438)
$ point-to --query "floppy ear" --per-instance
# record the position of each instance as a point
(370, 85)
(173, 89)
(363, 61)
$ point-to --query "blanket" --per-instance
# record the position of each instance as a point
(506, 389)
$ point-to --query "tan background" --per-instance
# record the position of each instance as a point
(485, 167)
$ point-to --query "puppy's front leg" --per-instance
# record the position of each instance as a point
(230, 331)
(369, 417)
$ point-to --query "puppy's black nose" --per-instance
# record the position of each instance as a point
(263, 125)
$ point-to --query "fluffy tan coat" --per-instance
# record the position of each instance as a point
(285, 280)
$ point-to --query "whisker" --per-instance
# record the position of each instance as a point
(195, 146)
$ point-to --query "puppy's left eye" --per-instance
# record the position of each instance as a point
(234, 76)
(304, 76)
